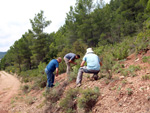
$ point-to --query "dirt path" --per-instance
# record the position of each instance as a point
(9, 87)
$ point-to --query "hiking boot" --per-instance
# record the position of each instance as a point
(52, 85)
(78, 85)
(95, 76)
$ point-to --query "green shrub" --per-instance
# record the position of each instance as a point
(130, 92)
(133, 68)
(72, 77)
(88, 99)
(142, 41)
(146, 77)
(117, 68)
(108, 62)
(146, 59)
(133, 74)
(10, 69)
(73, 74)
(39, 82)
(68, 104)
(41, 68)
(25, 88)
(124, 72)
(28, 76)
(99, 50)
(26, 80)
(121, 50)
(37, 75)
(55, 93)
(130, 71)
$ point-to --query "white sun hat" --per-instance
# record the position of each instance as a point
(89, 50)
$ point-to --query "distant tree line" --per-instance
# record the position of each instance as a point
(2, 54)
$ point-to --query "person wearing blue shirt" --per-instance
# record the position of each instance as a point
(70, 58)
(50, 68)
(93, 65)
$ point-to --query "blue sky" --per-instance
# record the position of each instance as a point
(15, 15)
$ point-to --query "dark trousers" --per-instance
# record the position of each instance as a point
(50, 78)
(84, 70)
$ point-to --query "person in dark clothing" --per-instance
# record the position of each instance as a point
(70, 58)
(50, 68)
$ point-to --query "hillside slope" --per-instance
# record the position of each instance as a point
(126, 94)
(121, 94)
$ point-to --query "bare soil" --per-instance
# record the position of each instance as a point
(9, 87)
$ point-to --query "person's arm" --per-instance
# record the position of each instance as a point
(70, 61)
(82, 63)
(100, 63)
(56, 72)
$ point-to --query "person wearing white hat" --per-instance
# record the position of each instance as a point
(93, 65)
(89, 50)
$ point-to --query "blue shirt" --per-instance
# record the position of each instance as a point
(52, 65)
(70, 56)
(92, 61)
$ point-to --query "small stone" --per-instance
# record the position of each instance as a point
(120, 104)
(121, 77)
(137, 60)
(130, 82)
(117, 99)
(125, 99)
(148, 98)
(95, 110)
(102, 95)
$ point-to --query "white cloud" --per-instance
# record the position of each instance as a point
(15, 15)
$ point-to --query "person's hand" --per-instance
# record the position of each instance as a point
(56, 75)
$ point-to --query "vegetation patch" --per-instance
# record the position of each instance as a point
(53, 96)
(130, 91)
(117, 68)
(73, 75)
(30, 100)
(133, 68)
(130, 71)
(69, 103)
(55, 93)
(124, 81)
(146, 77)
(146, 59)
(88, 99)
(25, 88)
